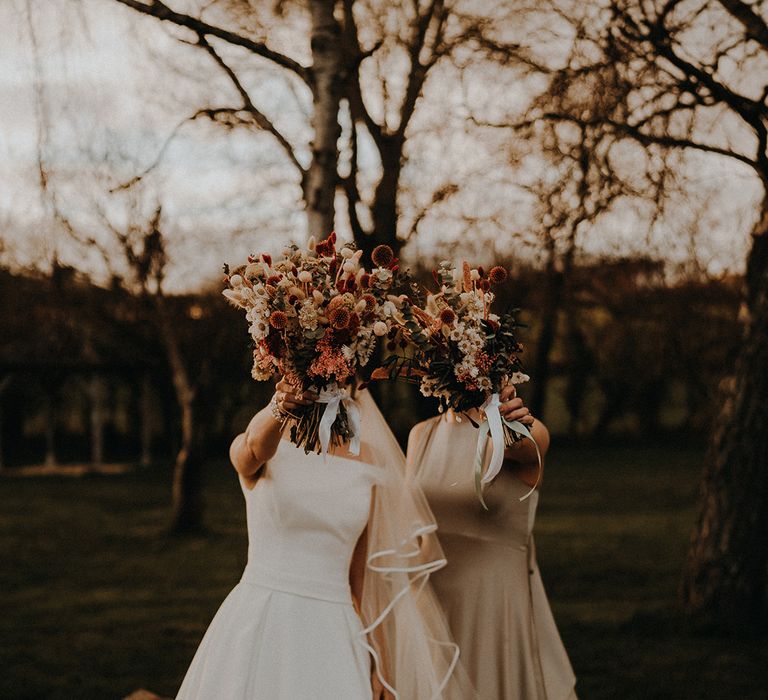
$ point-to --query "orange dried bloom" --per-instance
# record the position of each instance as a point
(497, 275)
(278, 320)
(341, 300)
(467, 276)
(423, 316)
(339, 317)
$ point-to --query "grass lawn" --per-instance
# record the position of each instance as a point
(97, 601)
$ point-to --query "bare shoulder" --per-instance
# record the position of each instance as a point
(417, 433)
(418, 430)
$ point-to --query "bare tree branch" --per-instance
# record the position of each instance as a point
(652, 139)
(755, 27)
(212, 113)
(159, 9)
(418, 74)
(259, 117)
(439, 195)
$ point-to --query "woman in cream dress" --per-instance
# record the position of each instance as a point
(491, 590)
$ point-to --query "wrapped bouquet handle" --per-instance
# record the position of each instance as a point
(333, 396)
(495, 423)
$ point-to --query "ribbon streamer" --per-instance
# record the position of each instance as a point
(333, 397)
(494, 424)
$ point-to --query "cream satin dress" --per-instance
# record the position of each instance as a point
(491, 589)
(288, 630)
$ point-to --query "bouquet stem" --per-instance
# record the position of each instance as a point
(305, 428)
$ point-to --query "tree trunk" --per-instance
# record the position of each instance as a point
(327, 78)
(187, 472)
(579, 370)
(4, 384)
(146, 423)
(549, 315)
(96, 391)
(384, 207)
(726, 574)
(50, 428)
(187, 498)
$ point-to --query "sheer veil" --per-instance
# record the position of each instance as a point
(405, 629)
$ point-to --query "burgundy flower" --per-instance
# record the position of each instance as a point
(497, 275)
(382, 256)
(448, 316)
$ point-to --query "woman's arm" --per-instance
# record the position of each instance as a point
(521, 457)
(250, 450)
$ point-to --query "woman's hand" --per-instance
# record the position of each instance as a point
(289, 397)
(512, 407)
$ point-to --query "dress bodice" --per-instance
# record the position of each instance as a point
(442, 461)
(305, 515)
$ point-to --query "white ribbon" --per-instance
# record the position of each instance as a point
(493, 417)
(495, 424)
(333, 397)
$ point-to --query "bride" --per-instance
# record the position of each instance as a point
(334, 602)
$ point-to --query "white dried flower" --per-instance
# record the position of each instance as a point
(305, 276)
(458, 332)
(259, 329)
(465, 346)
(388, 309)
(380, 328)
(308, 316)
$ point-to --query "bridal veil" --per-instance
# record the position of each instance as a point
(405, 629)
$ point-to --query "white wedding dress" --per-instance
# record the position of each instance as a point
(288, 630)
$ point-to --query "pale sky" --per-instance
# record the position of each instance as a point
(113, 87)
